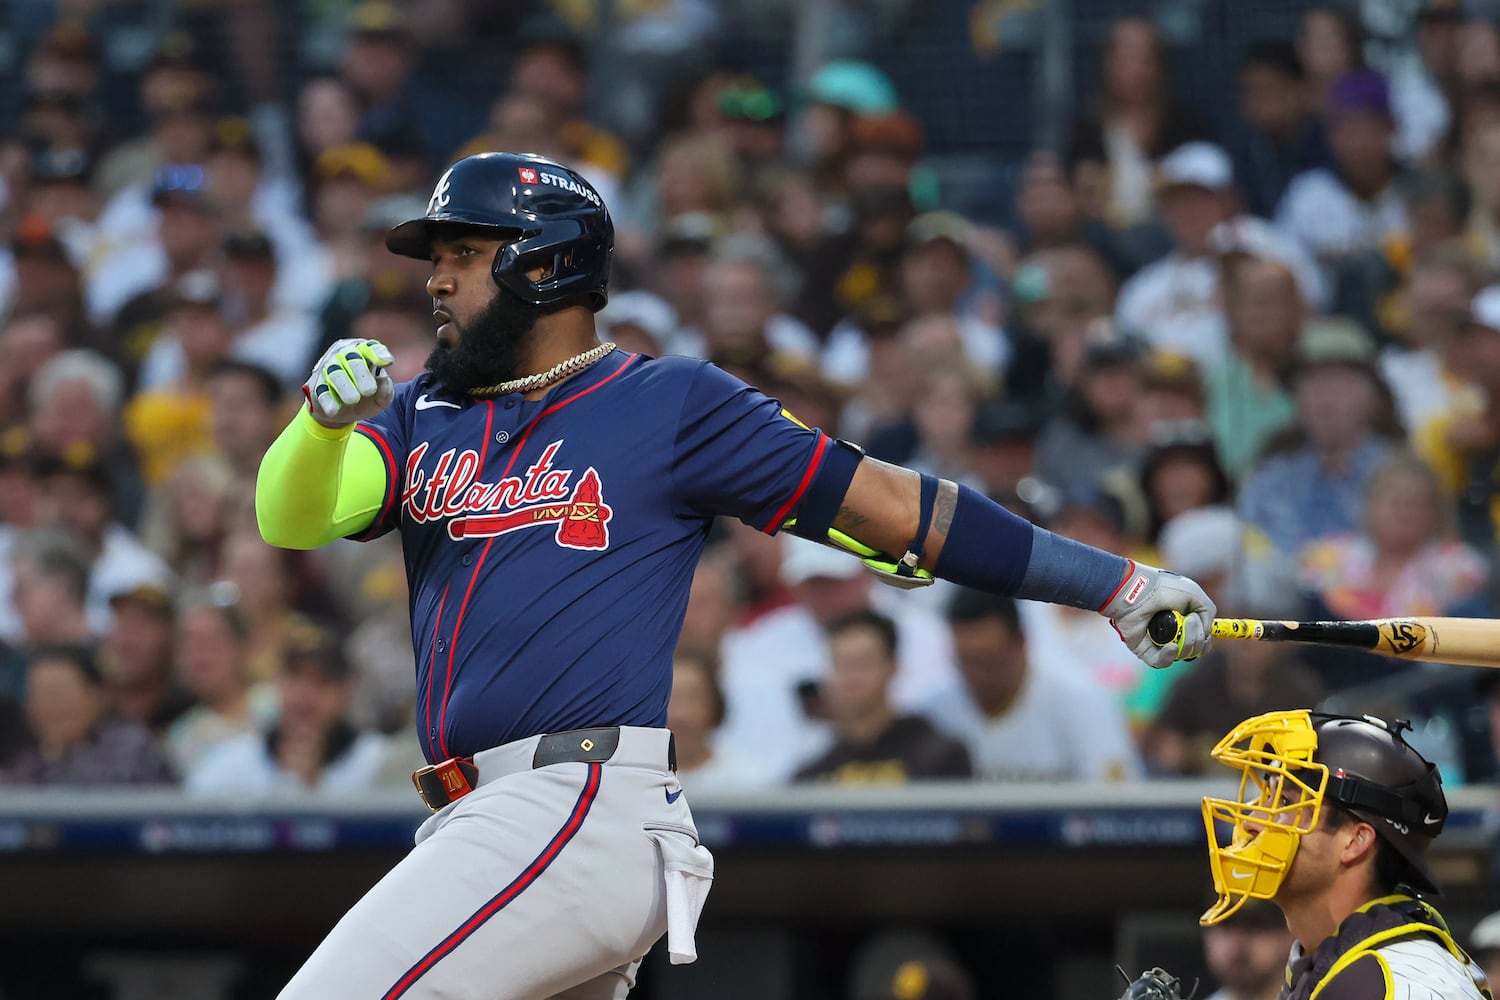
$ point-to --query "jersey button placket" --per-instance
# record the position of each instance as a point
(442, 645)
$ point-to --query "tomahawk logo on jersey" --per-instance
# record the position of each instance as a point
(588, 510)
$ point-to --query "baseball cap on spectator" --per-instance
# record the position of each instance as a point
(80, 462)
(1248, 236)
(930, 227)
(687, 234)
(359, 160)
(1006, 421)
(641, 309)
(802, 560)
(854, 86)
(35, 238)
(1360, 91)
(1484, 310)
(234, 135)
(197, 288)
(153, 596)
(61, 166)
(1334, 340)
(1486, 935)
(908, 965)
(377, 20)
(16, 448)
(180, 184)
(70, 39)
(746, 99)
(309, 644)
(1198, 165)
(898, 134)
(249, 245)
(1172, 372)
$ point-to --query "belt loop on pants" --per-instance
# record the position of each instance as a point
(446, 782)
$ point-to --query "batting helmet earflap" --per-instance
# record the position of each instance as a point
(556, 219)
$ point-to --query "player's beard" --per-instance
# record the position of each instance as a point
(490, 347)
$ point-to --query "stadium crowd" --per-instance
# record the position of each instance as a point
(1261, 349)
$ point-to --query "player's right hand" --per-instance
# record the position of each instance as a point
(1146, 591)
(349, 383)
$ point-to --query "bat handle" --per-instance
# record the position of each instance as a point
(1165, 626)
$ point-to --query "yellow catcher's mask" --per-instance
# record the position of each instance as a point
(1292, 766)
(1281, 798)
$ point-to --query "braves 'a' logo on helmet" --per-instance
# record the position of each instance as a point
(439, 199)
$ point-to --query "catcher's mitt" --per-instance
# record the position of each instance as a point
(1154, 984)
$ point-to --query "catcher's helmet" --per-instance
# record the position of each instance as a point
(555, 218)
(1293, 764)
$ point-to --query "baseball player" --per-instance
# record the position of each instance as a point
(553, 495)
(1333, 825)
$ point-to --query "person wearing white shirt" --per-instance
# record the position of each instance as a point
(1355, 207)
(1025, 721)
(1174, 303)
(312, 748)
(694, 713)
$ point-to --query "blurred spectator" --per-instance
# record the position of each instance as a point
(28, 341)
(1462, 445)
(373, 274)
(908, 965)
(943, 275)
(170, 418)
(1330, 44)
(639, 321)
(136, 659)
(1280, 136)
(1181, 472)
(327, 118)
(1002, 450)
(694, 715)
(1484, 945)
(247, 412)
(1135, 121)
(377, 63)
(1422, 86)
(1022, 719)
(1481, 169)
(47, 574)
(1248, 398)
(1233, 682)
(1404, 561)
(553, 70)
(1049, 211)
(47, 281)
(838, 94)
(951, 393)
(380, 647)
(1174, 304)
(746, 287)
(1098, 428)
(60, 193)
(1235, 563)
(1422, 369)
(76, 498)
(268, 589)
(65, 61)
(175, 91)
(345, 185)
(312, 747)
(190, 515)
(1247, 952)
(277, 338)
(755, 117)
(14, 736)
(1316, 488)
(1355, 206)
(1064, 294)
(873, 745)
(18, 485)
(213, 665)
(77, 741)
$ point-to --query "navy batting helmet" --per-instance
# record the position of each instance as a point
(554, 218)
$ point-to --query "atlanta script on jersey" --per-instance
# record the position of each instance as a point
(585, 513)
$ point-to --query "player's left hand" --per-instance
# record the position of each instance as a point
(1153, 984)
(1147, 591)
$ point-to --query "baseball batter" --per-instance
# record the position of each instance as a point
(553, 495)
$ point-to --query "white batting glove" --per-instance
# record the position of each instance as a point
(1148, 591)
(349, 383)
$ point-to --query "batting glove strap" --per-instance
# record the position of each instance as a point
(1145, 591)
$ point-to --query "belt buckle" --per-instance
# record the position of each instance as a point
(445, 782)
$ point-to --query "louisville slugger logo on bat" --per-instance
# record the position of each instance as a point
(1401, 636)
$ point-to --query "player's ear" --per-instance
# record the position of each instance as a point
(1357, 842)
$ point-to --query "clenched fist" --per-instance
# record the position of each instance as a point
(349, 383)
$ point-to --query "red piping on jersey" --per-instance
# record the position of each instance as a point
(807, 478)
(499, 902)
(484, 554)
(431, 664)
(393, 486)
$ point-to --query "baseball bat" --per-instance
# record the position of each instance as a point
(1472, 642)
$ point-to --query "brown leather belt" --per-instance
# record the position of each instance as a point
(448, 781)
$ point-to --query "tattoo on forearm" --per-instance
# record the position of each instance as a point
(947, 503)
(849, 518)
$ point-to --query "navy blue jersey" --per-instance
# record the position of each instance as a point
(550, 544)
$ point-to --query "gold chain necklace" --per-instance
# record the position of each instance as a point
(558, 372)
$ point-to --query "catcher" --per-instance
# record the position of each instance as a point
(1332, 823)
